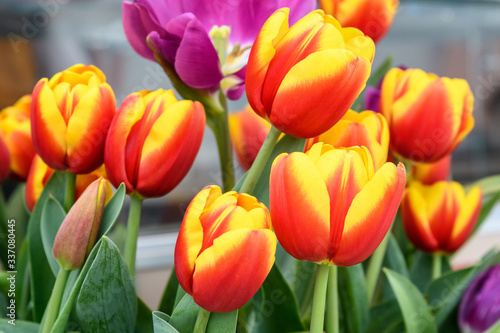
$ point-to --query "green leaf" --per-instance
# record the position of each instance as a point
(185, 314)
(107, 301)
(386, 317)
(41, 276)
(222, 322)
(421, 270)
(21, 326)
(112, 210)
(486, 209)
(160, 323)
(52, 217)
(352, 295)
(144, 321)
(489, 185)
(16, 207)
(394, 260)
(495, 328)
(168, 298)
(301, 277)
(416, 313)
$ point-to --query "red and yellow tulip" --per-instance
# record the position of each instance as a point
(330, 206)
(70, 117)
(305, 78)
(153, 141)
(373, 17)
(440, 217)
(367, 129)
(430, 173)
(40, 174)
(225, 249)
(5, 160)
(428, 116)
(15, 125)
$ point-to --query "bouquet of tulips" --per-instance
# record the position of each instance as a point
(344, 222)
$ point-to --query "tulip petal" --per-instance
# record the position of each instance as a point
(48, 127)
(370, 215)
(331, 78)
(224, 266)
(298, 8)
(466, 220)
(299, 201)
(137, 24)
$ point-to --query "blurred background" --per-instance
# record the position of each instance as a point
(450, 38)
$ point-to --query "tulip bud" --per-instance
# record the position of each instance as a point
(15, 125)
(373, 17)
(70, 117)
(225, 249)
(78, 232)
(329, 206)
(4, 160)
(430, 173)
(306, 77)
(367, 129)
(428, 116)
(480, 305)
(440, 217)
(153, 142)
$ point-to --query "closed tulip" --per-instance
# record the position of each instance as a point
(153, 141)
(5, 160)
(373, 17)
(440, 217)
(430, 173)
(225, 249)
(70, 117)
(305, 78)
(367, 129)
(428, 116)
(330, 206)
(77, 234)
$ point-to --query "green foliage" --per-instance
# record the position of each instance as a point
(353, 298)
(52, 217)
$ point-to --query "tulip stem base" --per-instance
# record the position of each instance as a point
(374, 266)
(69, 196)
(134, 219)
(319, 300)
(332, 302)
(55, 300)
(260, 161)
(436, 266)
(202, 321)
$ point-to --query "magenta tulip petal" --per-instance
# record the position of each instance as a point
(137, 25)
(298, 8)
(372, 99)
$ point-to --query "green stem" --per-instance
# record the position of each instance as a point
(332, 302)
(260, 161)
(375, 265)
(69, 196)
(436, 266)
(134, 219)
(201, 321)
(318, 307)
(55, 300)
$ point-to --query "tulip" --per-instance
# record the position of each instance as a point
(206, 44)
(15, 125)
(77, 234)
(430, 173)
(480, 305)
(70, 117)
(373, 17)
(5, 160)
(316, 63)
(40, 174)
(153, 141)
(428, 116)
(440, 217)
(329, 206)
(367, 129)
(225, 249)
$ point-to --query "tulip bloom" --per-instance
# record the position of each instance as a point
(480, 305)
(15, 125)
(78, 232)
(305, 78)
(330, 206)
(5, 160)
(428, 116)
(430, 173)
(70, 117)
(225, 249)
(440, 217)
(373, 17)
(153, 141)
(189, 35)
(367, 129)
